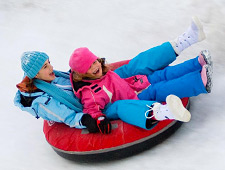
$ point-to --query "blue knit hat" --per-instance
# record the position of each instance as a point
(32, 62)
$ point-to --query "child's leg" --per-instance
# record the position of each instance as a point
(145, 114)
(161, 56)
(186, 86)
(176, 71)
(193, 35)
(148, 61)
(129, 111)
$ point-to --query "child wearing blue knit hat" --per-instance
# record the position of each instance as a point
(32, 62)
(35, 64)
(45, 92)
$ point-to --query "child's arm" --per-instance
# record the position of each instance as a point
(93, 103)
(49, 108)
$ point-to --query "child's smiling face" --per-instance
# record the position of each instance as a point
(95, 70)
(46, 73)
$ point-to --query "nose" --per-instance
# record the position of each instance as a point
(50, 67)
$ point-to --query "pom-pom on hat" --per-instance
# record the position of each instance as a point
(81, 60)
(32, 62)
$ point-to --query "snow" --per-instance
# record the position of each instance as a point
(116, 30)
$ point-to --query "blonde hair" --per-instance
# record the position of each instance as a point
(79, 76)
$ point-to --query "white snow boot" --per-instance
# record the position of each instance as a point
(193, 35)
(174, 109)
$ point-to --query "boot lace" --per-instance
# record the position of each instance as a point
(151, 109)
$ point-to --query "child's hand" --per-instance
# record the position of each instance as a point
(90, 123)
(104, 125)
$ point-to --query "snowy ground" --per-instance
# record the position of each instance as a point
(117, 30)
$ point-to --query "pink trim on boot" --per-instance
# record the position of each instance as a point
(201, 60)
(204, 76)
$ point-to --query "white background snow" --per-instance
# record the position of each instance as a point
(117, 30)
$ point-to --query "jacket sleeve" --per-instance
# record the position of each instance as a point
(51, 109)
(93, 102)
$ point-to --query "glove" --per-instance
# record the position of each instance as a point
(90, 123)
(104, 125)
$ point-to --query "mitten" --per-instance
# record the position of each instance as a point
(104, 125)
(90, 123)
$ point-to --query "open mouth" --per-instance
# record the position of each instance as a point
(96, 71)
(52, 74)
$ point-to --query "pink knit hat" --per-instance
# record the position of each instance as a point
(81, 60)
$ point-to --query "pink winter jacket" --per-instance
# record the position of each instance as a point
(96, 94)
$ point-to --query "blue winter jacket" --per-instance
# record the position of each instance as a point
(44, 106)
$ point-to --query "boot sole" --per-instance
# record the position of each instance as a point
(177, 108)
(201, 35)
(209, 73)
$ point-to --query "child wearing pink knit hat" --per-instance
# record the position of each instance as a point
(82, 59)
(97, 86)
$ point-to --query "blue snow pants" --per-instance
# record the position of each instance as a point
(149, 61)
(129, 111)
(182, 80)
(145, 63)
